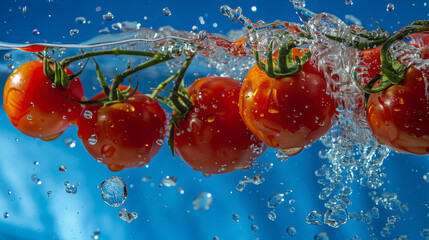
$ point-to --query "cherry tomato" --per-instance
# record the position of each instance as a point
(37, 107)
(399, 116)
(123, 135)
(289, 112)
(369, 64)
(213, 138)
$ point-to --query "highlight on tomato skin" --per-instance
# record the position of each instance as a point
(123, 135)
(399, 116)
(36, 106)
(289, 112)
(213, 138)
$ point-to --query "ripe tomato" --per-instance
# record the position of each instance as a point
(399, 116)
(37, 107)
(213, 138)
(369, 64)
(289, 112)
(33, 48)
(123, 135)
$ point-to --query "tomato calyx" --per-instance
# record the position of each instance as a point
(286, 64)
(392, 70)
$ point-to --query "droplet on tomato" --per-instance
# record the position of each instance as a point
(292, 151)
(107, 150)
(93, 139)
(203, 201)
(114, 191)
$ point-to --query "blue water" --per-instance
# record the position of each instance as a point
(163, 212)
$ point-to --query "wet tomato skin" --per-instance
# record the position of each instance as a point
(123, 135)
(288, 112)
(213, 138)
(38, 108)
(399, 116)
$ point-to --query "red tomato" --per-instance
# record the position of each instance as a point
(370, 64)
(288, 112)
(33, 48)
(399, 116)
(123, 135)
(213, 138)
(37, 107)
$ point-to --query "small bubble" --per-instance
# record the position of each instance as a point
(70, 188)
(35, 163)
(126, 216)
(402, 237)
(80, 20)
(272, 216)
(108, 16)
(424, 233)
(62, 168)
(390, 7)
(5, 215)
(87, 114)
(9, 192)
(292, 209)
(169, 181)
(35, 179)
(202, 35)
(254, 228)
(251, 218)
(93, 139)
(253, 8)
(321, 236)
(96, 235)
(36, 32)
(215, 238)
(146, 179)
(69, 142)
(275, 200)
(49, 193)
(314, 218)
(426, 177)
(291, 231)
(114, 191)
(74, 31)
(194, 28)
(203, 201)
(348, 2)
(166, 11)
(235, 217)
(98, 8)
(180, 190)
(7, 56)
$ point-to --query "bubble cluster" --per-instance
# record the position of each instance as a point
(126, 216)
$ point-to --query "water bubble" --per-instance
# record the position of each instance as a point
(74, 31)
(336, 216)
(202, 35)
(424, 233)
(402, 237)
(7, 56)
(180, 190)
(5, 215)
(9, 192)
(272, 216)
(251, 218)
(80, 20)
(298, 3)
(29, 117)
(275, 200)
(96, 235)
(253, 8)
(321, 236)
(385, 232)
(348, 2)
(36, 163)
(146, 179)
(87, 114)
(254, 228)
(70, 188)
(235, 217)
(108, 16)
(390, 7)
(166, 12)
(35, 179)
(35, 32)
(114, 191)
(62, 168)
(160, 142)
(291, 231)
(69, 142)
(314, 218)
(426, 177)
(126, 216)
(93, 139)
(194, 28)
(169, 181)
(203, 201)
(281, 155)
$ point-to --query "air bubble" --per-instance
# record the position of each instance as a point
(74, 31)
(166, 12)
(291, 231)
(5, 215)
(314, 218)
(126, 216)
(114, 191)
(348, 2)
(254, 228)
(321, 236)
(235, 217)
(108, 16)
(70, 188)
(169, 181)
(426, 177)
(96, 235)
(275, 200)
(69, 142)
(36, 32)
(390, 7)
(203, 201)
(7, 56)
(93, 139)
(62, 168)
(272, 216)
(80, 20)
(36, 179)
(87, 114)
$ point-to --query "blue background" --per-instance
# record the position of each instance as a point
(163, 212)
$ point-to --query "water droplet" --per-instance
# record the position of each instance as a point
(253, 8)
(36, 32)
(93, 139)
(169, 181)
(194, 28)
(126, 216)
(272, 216)
(96, 235)
(9, 192)
(180, 190)
(336, 216)
(70, 188)
(251, 218)
(62, 168)
(374, 212)
(87, 114)
(291, 231)
(108, 16)
(80, 20)
(7, 56)
(74, 31)
(29, 117)
(160, 142)
(235, 217)
(254, 228)
(114, 191)
(390, 7)
(203, 201)
(275, 200)
(314, 218)
(426, 177)
(321, 236)
(202, 35)
(166, 11)
(348, 2)
(5, 215)
(69, 142)
(35, 179)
